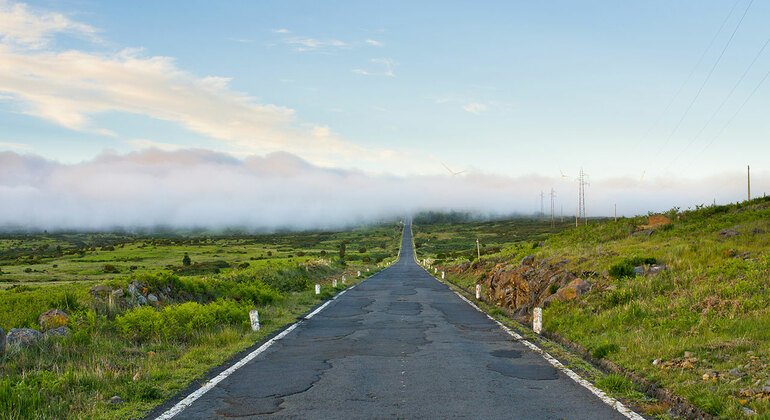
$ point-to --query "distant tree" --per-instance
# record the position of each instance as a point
(186, 260)
(269, 253)
(323, 252)
(361, 250)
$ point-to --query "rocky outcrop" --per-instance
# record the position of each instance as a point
(23, 336)
(529, 284)
(53, 318)
(2, 341)
(62, 331)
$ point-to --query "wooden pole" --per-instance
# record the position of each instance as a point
(748, 180)
(616, 212)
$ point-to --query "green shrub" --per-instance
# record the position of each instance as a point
(625, 268)
(602, 351)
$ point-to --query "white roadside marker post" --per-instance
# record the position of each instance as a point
(254, 316)
(318, 289)
(435, 270)
(359, 275)
(343, 279)
(478, 291)
(537, 320)
(334, 283)
(442, 275)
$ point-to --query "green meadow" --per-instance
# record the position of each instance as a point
(145, 352)
(712, 300)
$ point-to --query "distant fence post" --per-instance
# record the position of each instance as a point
(254, 316)
(537, 320)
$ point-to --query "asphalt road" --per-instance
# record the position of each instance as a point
(399, 345)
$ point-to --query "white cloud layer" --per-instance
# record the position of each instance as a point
(198, 188)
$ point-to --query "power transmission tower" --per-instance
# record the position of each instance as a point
(553, 196)
(542, 209)
(582, 183)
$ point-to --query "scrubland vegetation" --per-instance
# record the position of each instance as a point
(143, 351)
(698, 326)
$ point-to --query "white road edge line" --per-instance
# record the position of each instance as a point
(612, 402)
(181, 405)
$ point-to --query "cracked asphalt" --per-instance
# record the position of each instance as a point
(399, 345)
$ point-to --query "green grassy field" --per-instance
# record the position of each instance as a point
(713, 300)
(145, 354)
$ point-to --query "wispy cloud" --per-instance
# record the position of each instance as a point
(149, 144)
(69, 87)
(373, 42)
(15, 146)
(387, 63)
(21, 25)
(241, 40)
(475, 108)
(313, 44)
(281, 31)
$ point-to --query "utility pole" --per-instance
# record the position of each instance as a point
(616, 212)
(553, 195)
(748, 180)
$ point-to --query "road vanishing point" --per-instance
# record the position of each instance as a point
(400, 344)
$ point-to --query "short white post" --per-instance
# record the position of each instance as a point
(254, 316)
(537, 320)
(442, 274)
(359, 275)
(318, 289)
(367, 270)
(478, 291)
(435, 270)
(334, 283)
(343, 279)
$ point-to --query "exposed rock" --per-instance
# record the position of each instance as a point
(116, 400)
(757, 231)
(118, 293)
(639, 270)
(100, 290)
(62, 331)
(52, 318)
(22, 336)
(152, 298)
(132, 288)
(141, 299)
(575, 288)
(749, 412)
(646, 233)
(656, 362)
(528, 260)
(2, 341)
(656, 269)
(736, 372)
(689, 354)
(728, 233)
(522, 287)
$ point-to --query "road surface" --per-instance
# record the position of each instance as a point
(399, 345)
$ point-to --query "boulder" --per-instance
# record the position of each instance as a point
(23, 336)
(2, 341)
(152, 298)
(575, 288)
(528, 260)
(728, 233)
(116, 400)
(141, 299)
(52, 318)
(639, 270)
(100, 290)
(118, 293)
(62, 331)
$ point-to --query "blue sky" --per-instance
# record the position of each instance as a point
(502, 88)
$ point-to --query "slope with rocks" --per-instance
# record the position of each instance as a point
(685, 304)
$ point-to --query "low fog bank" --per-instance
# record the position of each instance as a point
(204, 189)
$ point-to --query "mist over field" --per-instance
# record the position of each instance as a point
(198, 188)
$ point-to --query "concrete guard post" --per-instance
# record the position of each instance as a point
(537, 320)
(254, 316)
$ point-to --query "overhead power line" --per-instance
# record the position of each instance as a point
(706, 80)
